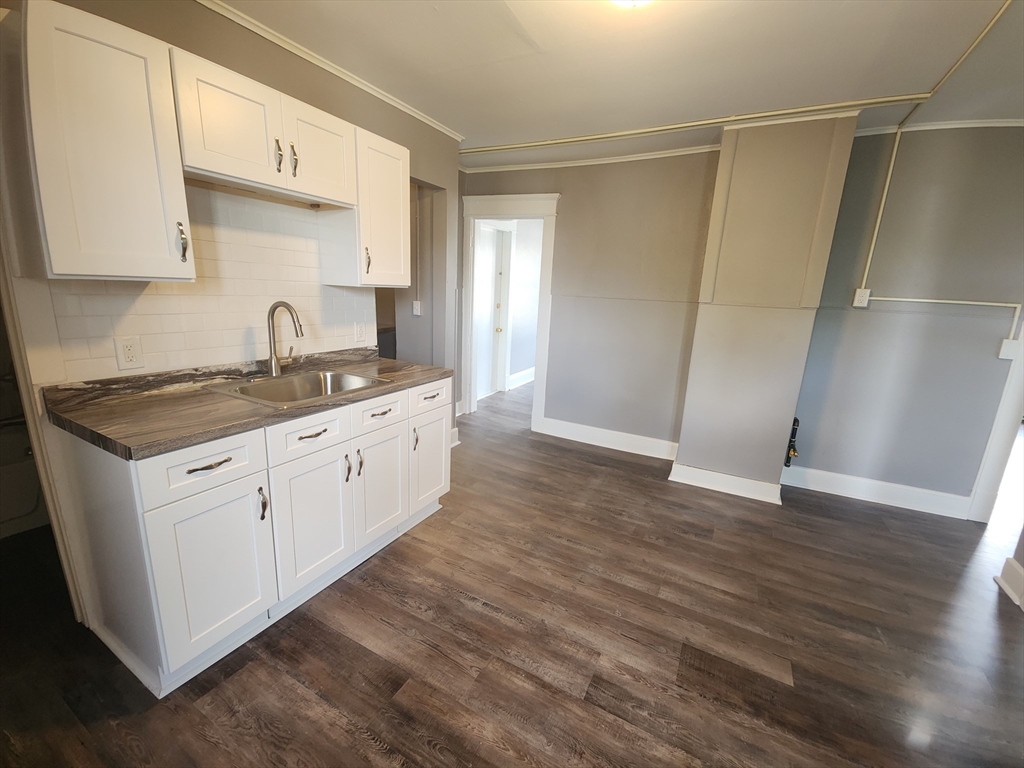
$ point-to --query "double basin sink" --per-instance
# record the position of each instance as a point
(294, 389)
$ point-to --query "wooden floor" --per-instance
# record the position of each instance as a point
(568, 606)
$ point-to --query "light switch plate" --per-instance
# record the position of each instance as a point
(417, 308)
(861, 297)
(129, 352)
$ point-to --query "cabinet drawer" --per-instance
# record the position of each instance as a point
(427, 397)
(381, 411)
(173, 476)
(301, 437)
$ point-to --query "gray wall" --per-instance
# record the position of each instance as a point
(906, 393)
(524, 294)
(433, 155)
(629, 245)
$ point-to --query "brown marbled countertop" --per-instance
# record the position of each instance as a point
(136, 417)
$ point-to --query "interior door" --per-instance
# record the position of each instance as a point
(231, 126)
(384, 233)
(430, 436)
(381, 481)
(213, 564)
(485, 256)
(320, 156)
(105, 136)
(313, 516)
(502, 329)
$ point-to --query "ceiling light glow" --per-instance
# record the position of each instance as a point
(630, 3)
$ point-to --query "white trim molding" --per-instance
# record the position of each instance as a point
(1011, 581)
(731, 484)
(944, 126)
(878, 491)
(523, 377)
(606, 438)
(455, 437)
(228, 12)
(593, 161)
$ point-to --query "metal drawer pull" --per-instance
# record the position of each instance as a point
(295, 158)
(359, 455)
(433, 396)
(348, 468)
(416, 438)
(264, 503)
(382, 413)
(184, 241)
(279, 153)
(207, 467)
(315, 434)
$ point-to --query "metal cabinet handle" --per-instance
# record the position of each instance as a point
(367, 249)
(359, 455)
(315, 434)
(207, 467)
(433, 396)
(382, 413)
(415, 438)
(184, 241)
(279, 153)
(348, 468)
(295, 158)
(264, 503)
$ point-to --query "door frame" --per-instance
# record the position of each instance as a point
(539, 206)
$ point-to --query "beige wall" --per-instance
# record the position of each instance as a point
(629, 245)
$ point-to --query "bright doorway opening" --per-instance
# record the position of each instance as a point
(506, 299)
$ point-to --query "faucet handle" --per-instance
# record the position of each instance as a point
(288, 359)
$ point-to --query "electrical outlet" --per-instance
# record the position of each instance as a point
(417, 309)
(129, 352)
(861, 297)
(360, 331)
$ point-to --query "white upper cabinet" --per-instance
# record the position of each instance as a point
(231, 126)
(383, 211)
(105, 138)
(320, 155)
(234, 129)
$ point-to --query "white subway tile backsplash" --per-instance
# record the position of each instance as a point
(249, 253)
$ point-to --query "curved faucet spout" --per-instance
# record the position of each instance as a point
(274, 362)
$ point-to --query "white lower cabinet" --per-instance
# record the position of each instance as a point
(213, 564)
(313, 516)
(430, 468)
(382, 481)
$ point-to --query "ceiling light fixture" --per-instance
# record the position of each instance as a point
(630, 3)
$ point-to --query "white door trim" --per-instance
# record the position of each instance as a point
(540, 206)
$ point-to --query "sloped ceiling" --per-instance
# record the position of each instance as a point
(509, 71)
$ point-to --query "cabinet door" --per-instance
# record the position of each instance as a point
(381, 481)
(230, 125)
(320, 155)
(313, 518)
(107, 161)
(213, 565)
(383, 210)
(430, 468)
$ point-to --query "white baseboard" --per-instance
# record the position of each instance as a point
(455, 436)
(523, 377)
(878, 491)
(606, 438)
(719, 481)
(1012, 581)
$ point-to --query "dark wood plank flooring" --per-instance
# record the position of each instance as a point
(568, 606)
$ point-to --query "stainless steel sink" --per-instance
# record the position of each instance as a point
(297, 388)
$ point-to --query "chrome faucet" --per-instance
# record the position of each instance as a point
(274, 362)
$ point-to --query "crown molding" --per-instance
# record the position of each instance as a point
(817, 111)
(225, 10)
(942, 126)
(594, 161)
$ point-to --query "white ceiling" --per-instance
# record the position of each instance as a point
(509, 71)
